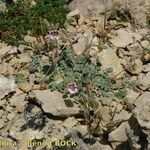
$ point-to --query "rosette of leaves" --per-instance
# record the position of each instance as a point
(81, 70)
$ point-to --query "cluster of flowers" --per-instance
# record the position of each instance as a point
(54, 34)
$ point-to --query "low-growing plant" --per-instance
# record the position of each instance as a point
(19, 78)
(80, 78)
(83, 72)
(35, 64)
(22, 18)
(84, 81)
(130, 84)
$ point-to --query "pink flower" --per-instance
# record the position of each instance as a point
(72, 88)
(54, 34)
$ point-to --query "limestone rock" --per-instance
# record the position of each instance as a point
(25, 86)
(106, 117)
(136, 50)
(123, 115)
(34, 42)
(13, 50)
(78, 48)
(3, 68)
(73, 14)
(7, 85)
(2, 6)
(2, 123)
(145, 81)
(4, 48)
(109, 59)
(70, 122)
(22, 48)
(146, 68)
(135, 67)
(81, 46)
(89, 35)
(89, 8)
(115, 106)
(131, 96)
(24, 58)
(142, 110)
(53, 103)
(138, 10)
(145, 44)
(30, 39)
(94, 46)
(11, 116)
(124, 38)
(94, 9)
(117, 136)
(18, 100)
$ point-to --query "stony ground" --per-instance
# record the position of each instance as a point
(30, 111)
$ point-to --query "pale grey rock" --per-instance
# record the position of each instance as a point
(145, 44)
(138, 10)
(1, 113)
(135, 67)
(146, 68)
(24, 58)
(73, 13)
(13, 50)
(71, 29)
(106, 117)
(94, 8)
(88, 33)
(81, 46)
(145, 81)
(2, 123)
(53, 103)
(143, 32)
(3, 68)
(30, 39)
(34, 42)
(4, 49)
(109, 59)
(89, 8)
(131, 96)
(7, 85)
(94, 46)
(18, 100)
(115, 106)
(11, 116)
(9, 108)
(23, 48)
(2, 7)
(142, 110)
(118, 136)
(70, 122)
(124, 38)
(25, 86)
(136, 50)
(123, 115)
(31, 79)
